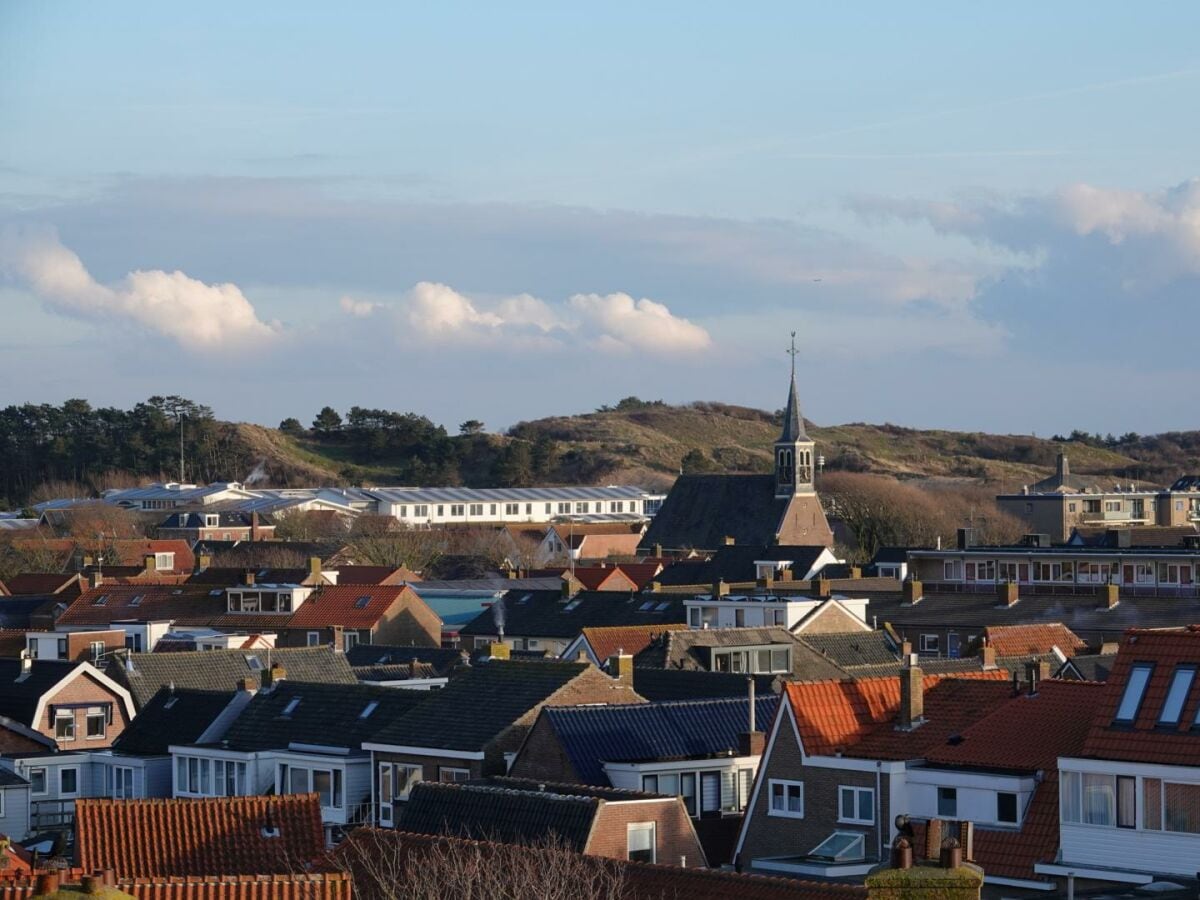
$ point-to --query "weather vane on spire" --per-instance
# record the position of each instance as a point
(792, 353)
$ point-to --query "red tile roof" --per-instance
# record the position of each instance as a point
(593, 578)
(184, 604)
(641, 573)
(156, 838)
(339, 605)
(1145, 740)
(42, 583)
(375, 575)
(631, 639)
(1033, 640)
(290, 886)
(834, 715)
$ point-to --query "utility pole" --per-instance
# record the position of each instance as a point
(181, 478)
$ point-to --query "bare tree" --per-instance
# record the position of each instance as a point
(414, 548)
(390, 865)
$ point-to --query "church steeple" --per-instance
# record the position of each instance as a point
(794, 451)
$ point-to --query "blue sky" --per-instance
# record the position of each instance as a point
(974, 218)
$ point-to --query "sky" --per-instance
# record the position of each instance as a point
(973, 217)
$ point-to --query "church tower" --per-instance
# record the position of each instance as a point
(795, 453)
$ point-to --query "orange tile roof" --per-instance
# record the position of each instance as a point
(338, 605)
(184, 604)
(642, 573)
(1034, 639)
(834, 715)
(287, 886)
(1146, 741)
(632, 639)
(41, 583)
(156, 838)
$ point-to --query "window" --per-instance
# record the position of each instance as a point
(947, 802)
(1113, 506)
(326, 783)
(1097, 799)
(1070, 507)
(512, 509)
(787, 799)
(581, 507)
(477, 509)
(37, 781)
(402, 512)
(68, 781)
(96, 720)
(421, 511)
(229, 778)
(102, 600)
(1171, 806)
(687, 790)
(841, 847)
(349, 640)
(64, 724)
(1181, 683)
(1135, 687)
(385, 794)
(930, 643)
(97, 650)
(856, 805)
(441, 510)
(641, 841)
(952, 570)
(449, 773)
(122, 783)
(1006, 807)
(406, 779)
(314, 638)
(694, 617)
(62, 648)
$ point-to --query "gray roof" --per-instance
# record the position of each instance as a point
(502, 814)
(702, 510)
(220, 670)
(737, 564)
(171, 717)
(793, 421)
(1087, 666)
(659, 685)
(855, 648)
(500, 495)
(19, 699)
(548, 614)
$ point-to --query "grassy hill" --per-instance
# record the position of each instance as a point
(646, 443)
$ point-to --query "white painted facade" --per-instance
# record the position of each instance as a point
(708, 787)
(761, 610)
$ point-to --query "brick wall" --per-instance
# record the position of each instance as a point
(409, 623)
(543, 757)
(11, 742)
(84, 689)
(832, 620)
(673, 834)
(767, 835)
(79, 644)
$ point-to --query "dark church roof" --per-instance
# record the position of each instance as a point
(702, 510)
(793, 421)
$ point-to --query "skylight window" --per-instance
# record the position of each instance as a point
(253, 662)
(1135, 688)
(136, 599)
(102, 600)
(647, 606)
(524, 598)
(291, 706)
(368, 709)
(841, 846)
(1181, 683)
(570, 606)
(665, 605)
(362, 601)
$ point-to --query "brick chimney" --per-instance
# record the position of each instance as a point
(499, 650)
(1036, 671)
(620, 667)
(730, 540)
(248, 577)
(912, 696)
(751, 742)
(203, 561)
(272, 676)
(95, 579)
(822, 587)
(150, 563)
(314, 567)
(987, 658)
(720, 589)
(254, 532)
(913, 591)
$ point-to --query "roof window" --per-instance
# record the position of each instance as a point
(253, 662)
(1135, 689)
(368, 709)
(362, 601)
(1181, 683)
(647, 606)
(291, 706)
(136, 599)
(102, 600)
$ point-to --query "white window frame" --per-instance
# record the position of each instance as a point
(126, 773)
(94, 712)
(930, 646)
(350, 639)
(313, 639)
(45, 781)
(402, 784)
(454, 771)
(387, 797)
(642, 827)
(938, 802)
(64, 715)
(857, 793)
(786, 785)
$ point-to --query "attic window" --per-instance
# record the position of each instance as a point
(1181, 683)
(524, 599)
(170, 702)
(665, 605)
(368, 709)
(362, 601)
(1135, 688)
(136, 599)
(216, 592)
(647, 606)
(570, 606)
(253, 662)
(102, 600)
(291, 706)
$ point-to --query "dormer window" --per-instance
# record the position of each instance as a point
(1181, 684)
(164, 561)
(212, 521)
(1135, 689)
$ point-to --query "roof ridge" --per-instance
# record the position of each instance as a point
(511, 791)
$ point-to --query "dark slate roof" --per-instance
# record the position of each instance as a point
(890, 555)
(384, 655)
(9, 778)
(476, 706)
(701, 510)
(854, 648)
(692, 649)
(227, 519)
(1084, 615)
(220, 670)
(503, 815)
(394, 673)
(601, 792)
(15, 612)
(548, 614)
(19, 699)
(1087, 666)
(793, 420)
(1141, 536)
(171, 717)
(736, 564)
(325, 715)
(645, 732)
(684, 684)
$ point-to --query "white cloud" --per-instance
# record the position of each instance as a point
(196, 315)
(614, 323)
(360, 309)
(641, 324)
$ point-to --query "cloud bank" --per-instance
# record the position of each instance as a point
(611, 322)
(196, 315)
